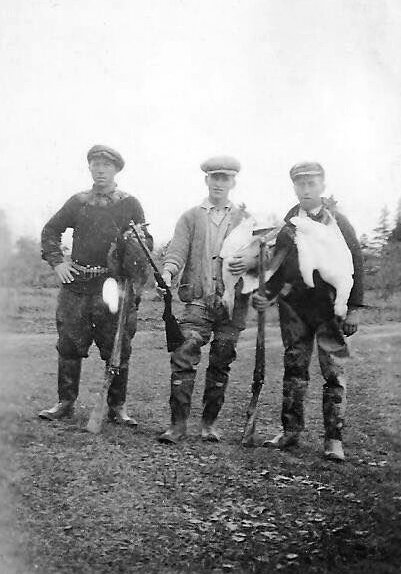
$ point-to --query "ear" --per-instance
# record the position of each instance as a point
(207, 179)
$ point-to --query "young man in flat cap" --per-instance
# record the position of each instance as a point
(307, 313)
(194, 251)
(99, 218)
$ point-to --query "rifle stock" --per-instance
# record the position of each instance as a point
(98, 412)
(174, 336)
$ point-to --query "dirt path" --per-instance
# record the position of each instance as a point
(28, 372)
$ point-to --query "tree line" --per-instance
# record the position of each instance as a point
(21, 264)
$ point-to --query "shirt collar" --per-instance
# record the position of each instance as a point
(208, 205)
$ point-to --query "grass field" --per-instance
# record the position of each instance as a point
(122, 503)
(33, 310)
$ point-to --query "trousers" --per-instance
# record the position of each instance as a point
(302, 320)
(81, 320)
(198, 324)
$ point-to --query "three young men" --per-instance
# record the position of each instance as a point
(99, 218)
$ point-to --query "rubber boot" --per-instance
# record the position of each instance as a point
(69, 372)
(180, 405)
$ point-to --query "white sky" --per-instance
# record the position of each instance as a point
(171, 82)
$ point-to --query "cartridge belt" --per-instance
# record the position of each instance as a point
(89, 270)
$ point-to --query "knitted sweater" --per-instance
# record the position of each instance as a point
(97, 220)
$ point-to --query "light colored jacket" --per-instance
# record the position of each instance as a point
(189, 252)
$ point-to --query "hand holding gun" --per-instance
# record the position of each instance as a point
(174, 336)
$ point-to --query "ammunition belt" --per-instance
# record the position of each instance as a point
(90, 271)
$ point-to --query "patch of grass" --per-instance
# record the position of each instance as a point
(382, 309)
(28, 309)
(33, 310)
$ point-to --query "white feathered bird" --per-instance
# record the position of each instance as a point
(323, 247)
(240, 241)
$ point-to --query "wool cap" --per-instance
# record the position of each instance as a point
(306, 168)
(107, 152)
(221, 164)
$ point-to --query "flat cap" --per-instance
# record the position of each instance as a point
(221, 164)
(306, 168)
(107, 152)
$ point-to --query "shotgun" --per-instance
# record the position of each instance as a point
(99, 410)
(174, 336)
(260, 362)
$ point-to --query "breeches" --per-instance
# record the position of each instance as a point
(299, 328)
(82, 319)
(198, 324)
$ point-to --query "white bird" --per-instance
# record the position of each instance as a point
(110, 293)
(239, 242)
(323, 247)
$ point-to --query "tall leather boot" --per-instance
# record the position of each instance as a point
(180, 405)
(213, 400)
(69, 372)
(116, 400)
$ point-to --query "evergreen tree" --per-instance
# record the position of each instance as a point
(365, 242)
(389, 275)
(383, 230)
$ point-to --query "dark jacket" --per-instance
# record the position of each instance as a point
(289, 271)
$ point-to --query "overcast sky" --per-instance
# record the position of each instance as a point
(170, 82)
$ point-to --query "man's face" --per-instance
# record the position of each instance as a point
(103, 171)
(219, 185)
(309, 189)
